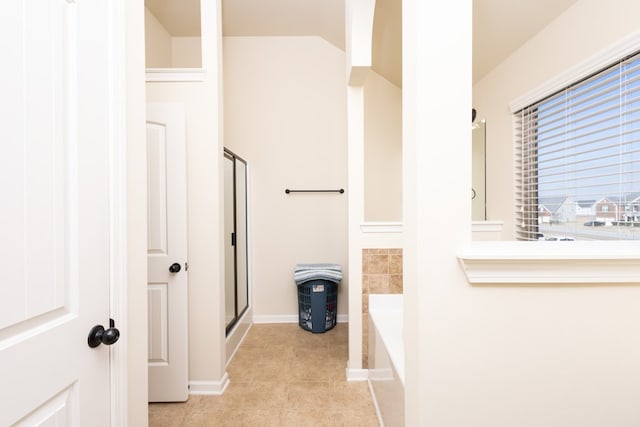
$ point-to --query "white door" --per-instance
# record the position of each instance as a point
(57, 113)
(167, 253)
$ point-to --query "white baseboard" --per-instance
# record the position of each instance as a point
(210, 388)
(289, 318)
(275, 318)
(357, 374)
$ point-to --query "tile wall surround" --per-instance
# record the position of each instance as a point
(381, 274)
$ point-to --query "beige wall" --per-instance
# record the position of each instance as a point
(500, 355)
(382, 149)
(205, 227)
(587, 28)
(165, 51)
(285, 114)
(158, 42)
(136, 294)
(186, 52)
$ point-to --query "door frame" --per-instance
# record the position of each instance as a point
(118, 211)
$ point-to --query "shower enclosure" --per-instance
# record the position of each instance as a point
(236, 250)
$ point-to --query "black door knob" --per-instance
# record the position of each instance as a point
(174, 268)
(98, 335)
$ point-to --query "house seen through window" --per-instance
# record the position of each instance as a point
(578, 159)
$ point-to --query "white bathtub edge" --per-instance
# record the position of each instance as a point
(385, 311)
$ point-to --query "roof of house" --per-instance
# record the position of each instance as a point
(586, 203)
(625, 198)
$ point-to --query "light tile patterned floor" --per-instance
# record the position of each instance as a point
(280, 376)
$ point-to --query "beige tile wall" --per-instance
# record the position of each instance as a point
(381, 274)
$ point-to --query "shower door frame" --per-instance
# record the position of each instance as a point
(238, 311)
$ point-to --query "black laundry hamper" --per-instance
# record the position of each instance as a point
(317, 305)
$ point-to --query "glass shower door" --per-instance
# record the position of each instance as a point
(236, 248)
(229, 247)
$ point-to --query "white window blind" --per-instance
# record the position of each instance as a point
(578, 159)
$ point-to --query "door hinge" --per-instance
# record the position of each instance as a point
(233, 239)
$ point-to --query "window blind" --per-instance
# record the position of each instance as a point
(578, 159)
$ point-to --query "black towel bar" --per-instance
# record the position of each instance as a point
(314, 191)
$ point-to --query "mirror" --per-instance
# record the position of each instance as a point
(478, 174)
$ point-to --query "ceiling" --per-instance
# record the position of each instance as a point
(499, 26)
(181, 18)
(323, 18)
(386, 49)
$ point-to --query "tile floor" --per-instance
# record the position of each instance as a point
(280, 376)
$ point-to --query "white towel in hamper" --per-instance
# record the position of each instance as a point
(305, 272)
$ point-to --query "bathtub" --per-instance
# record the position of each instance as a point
(386, 357)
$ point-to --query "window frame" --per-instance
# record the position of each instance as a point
(569, 150)
(624, 48)
(548, 263)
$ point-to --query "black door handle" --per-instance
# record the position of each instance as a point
(98, 335)
(174, 268)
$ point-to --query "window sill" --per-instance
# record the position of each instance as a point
(551, 262)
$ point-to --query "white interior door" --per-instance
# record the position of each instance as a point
(57, 114)
(167, 253)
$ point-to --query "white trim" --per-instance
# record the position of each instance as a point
(275, 318)
(381, 227)
(381, 375)
(381, 235)
(611, 54)
(175, 74)
(118, 213)
(355, 215)
(209, 388)
(289, 318)
(603, 262)
(249, 195)
(357, 374)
